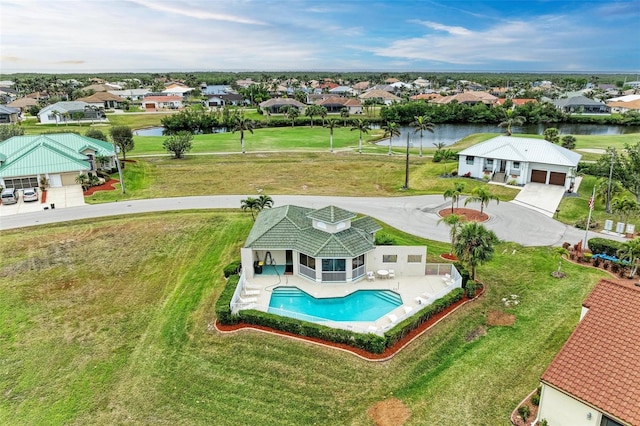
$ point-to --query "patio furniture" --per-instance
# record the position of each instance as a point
(371, 276)
(392, 318)
(392, 273)
(421, 301)
(382, 273)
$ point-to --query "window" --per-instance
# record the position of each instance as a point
(357, 261)
(606, 421)
(389, 258)
(308, 261)
(329, 265)
(489, 162)
(414, 258)
(516, 164)
(470, 159)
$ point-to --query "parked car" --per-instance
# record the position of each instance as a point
(30, 194)
(9, 196)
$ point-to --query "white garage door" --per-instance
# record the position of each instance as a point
(55, 181)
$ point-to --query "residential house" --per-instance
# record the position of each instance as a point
(622, 107)
(422, 83)
(342, 91)
(104, 100)
(177, 90)
(581, 105)
(427, 97)
(468, 98)
(361, 86)
(335, 104)
(131, 94)
(61, 112)
(595, 378)
(224, 99)
(101, 87)
(516, 101)
(23, 103)
(58, 157)
(275, 105)
(521, 160)
(9, 115)
(381, 96)
(154, 103)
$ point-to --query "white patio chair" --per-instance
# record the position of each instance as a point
(392, 273)
(371, 276)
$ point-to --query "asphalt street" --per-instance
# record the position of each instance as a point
(416, 215)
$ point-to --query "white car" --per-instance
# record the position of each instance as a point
(30, 194)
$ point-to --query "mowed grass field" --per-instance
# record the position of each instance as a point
(311, 173)
(110, 322)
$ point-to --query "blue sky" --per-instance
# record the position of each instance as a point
(292, 35)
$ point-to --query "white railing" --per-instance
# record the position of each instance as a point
(305, 271)
(340, 276)
(358, 272)
(235, 305)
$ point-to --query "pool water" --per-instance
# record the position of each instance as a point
(362, 305)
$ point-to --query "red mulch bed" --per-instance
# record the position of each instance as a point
(449, 256)
(387, 354)
(107, 186)
(469, 215)
(43, 197)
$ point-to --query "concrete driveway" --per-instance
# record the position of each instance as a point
(63, 197)
(540, 197)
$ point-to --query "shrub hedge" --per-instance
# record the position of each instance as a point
(232, 268)
(602, 245)
(369, 342)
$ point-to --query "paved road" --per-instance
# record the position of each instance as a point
(416, 215)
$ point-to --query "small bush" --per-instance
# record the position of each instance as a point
(383, 239)
(566, 245)
(535, 399)
(602, 245)
(232, 268)
(524, 412)
(597, 262)
(544, 422)
(471, 288)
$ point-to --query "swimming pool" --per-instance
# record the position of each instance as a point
(361, 305)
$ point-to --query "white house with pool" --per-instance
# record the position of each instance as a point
(323, 266)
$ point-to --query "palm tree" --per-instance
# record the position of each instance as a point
(481, 195)
(454, 221)
(250, 204)
(511, 120)
(630, 252)
(625, 207)
(310, 111)
(322, 112)
(421, 124)
(293, 113)
(446, 156)
(475, 245)
(391, 129)
(605, 194)
(362, 127)
(332, 123)
(344, 113)
(242, 124)
(263, 202)
(454, 193)
(56, 114)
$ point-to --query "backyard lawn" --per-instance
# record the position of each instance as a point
(109, 322)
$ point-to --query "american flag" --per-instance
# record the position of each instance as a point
(591, 203)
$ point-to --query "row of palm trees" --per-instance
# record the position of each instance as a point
(478, 195)
(256, 205)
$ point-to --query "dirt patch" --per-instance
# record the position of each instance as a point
(499, 318)
(475, 334)
(390, 412)
(469, 215)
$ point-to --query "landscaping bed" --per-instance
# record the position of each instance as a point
(470, 215)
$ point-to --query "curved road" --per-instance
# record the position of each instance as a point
(416, 215)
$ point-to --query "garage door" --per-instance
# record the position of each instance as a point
(557, 178)
(539, 176)
(55, 181)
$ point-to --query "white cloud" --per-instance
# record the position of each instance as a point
(461, 31)
(192, 12)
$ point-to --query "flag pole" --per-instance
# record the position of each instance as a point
(591, 202)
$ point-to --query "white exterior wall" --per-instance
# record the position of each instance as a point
(476, 168)
(402, 267)
(559, 409)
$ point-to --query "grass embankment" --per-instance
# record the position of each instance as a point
(345, 173)
(109, 322)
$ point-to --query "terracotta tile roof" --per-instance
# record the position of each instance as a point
(426, 96)
(630, 105)
(101, 97)
(516, 101)
(600, 363)
(338, 100)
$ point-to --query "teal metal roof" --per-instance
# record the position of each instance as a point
(290, 227)
(55, 153)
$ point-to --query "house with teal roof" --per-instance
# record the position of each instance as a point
(59, 158)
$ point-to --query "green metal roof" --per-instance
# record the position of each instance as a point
(290, 227)
(54, 153)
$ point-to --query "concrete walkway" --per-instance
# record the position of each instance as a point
(415, 215)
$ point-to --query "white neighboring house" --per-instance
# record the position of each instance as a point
(151, 103)
(521, 160)
(65, 110)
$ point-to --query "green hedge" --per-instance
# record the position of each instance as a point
(223, 310)
(602, 245)
(232, 268)
(369, 342)
(408, 325)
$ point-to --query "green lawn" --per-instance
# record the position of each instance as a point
(109, 322)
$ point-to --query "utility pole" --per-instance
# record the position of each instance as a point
(608, 201)
(406, 169)
(115, 149)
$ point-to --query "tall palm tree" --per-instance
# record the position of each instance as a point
(311, 111)
(454, 221)
(344, 113)
(475, 245)
(331, 124)
(391, 129)
(322, 112)
(263, 202)
(481, 195)
(362, 127)
(243, 124)
(630, 252)
(293, 113)
(511, 120)
(454, 193)
(250, 204)
(422, 123)
(625, 207)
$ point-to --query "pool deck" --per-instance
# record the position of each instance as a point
(417, 292)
